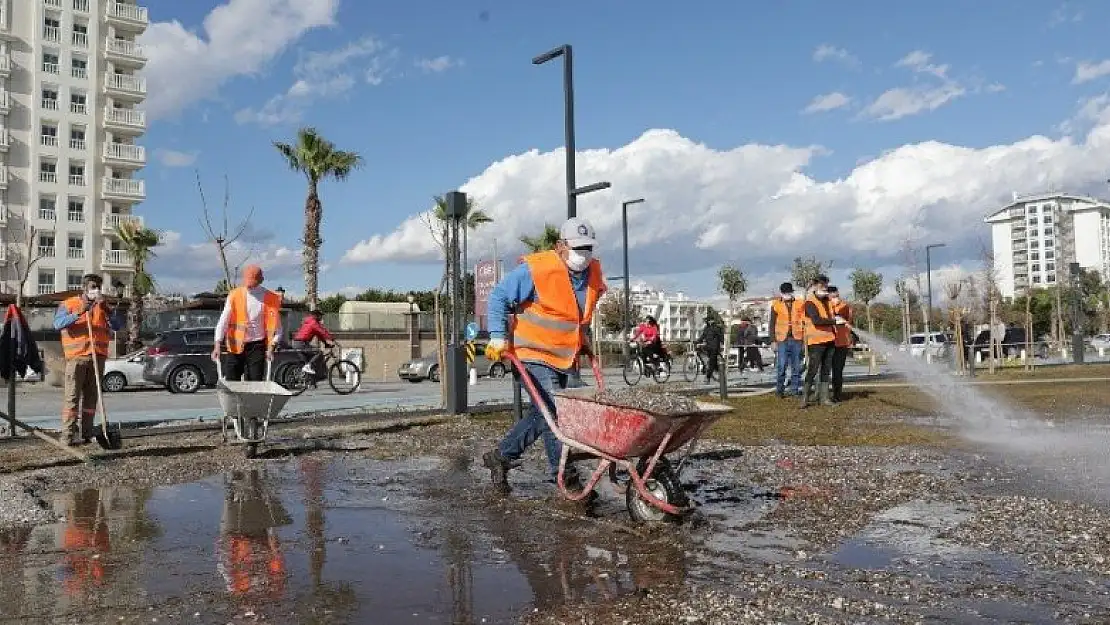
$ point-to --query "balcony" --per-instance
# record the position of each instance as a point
(3, 176)
(77, 144)
(125, 153)
(80, 73)
(46, 288)
(53, 34)
(111, 221)
(124, 120)
(116, 258)
(80, 40)
(124, 189)
(77, 180)
(51, 68)
(47, 214)
(75, 253)
(48, 141)
(81, 5)
(53, 4)
(46, 251)
(5, 101)
(3, 217)
(78, 108)
(5, 139)
(124, 52)
(127, 15)
(5, 65)
(50, 104)
(125, 85)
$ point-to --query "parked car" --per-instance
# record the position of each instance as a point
(427, 368)
(1100, 341)
(124, 372)
(181, 360)
(1013, 342)
(937, 346)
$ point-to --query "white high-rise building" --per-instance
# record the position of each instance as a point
(1035, 238)
(69, 123)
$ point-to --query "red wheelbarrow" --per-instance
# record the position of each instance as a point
(625, 439)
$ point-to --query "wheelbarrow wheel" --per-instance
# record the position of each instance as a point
(251, 433)
(663, 485)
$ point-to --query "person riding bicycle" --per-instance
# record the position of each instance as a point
(647, 335)
(311, 328)
(709, 341)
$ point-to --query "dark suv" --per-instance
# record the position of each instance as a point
(1013, 343)
(181, 360)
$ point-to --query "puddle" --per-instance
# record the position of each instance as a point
(289, 542)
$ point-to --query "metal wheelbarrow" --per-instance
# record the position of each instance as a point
(628, 439)
(250, 406)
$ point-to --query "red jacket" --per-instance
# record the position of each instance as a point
(310, 329)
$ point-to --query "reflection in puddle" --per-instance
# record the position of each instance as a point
(295, 544)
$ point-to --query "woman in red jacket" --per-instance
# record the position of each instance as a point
(311, 328)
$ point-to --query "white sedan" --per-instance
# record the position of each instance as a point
(120, 373)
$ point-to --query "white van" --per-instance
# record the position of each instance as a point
(937, 346)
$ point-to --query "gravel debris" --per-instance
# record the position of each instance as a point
(655, 403)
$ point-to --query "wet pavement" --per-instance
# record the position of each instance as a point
(781, 534)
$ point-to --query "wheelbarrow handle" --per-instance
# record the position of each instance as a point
(534, 392)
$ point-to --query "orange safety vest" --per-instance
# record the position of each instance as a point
(843, 333)
(788, 319)
(550, 329)
(814, 334)
(237, 318)
(76, 341)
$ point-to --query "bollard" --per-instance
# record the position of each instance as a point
(1063, 352)
(1023, 356)
(978, 358)
(1101, 352)
(473, 376)
(928, 358)
(873, 365)
(385, 372)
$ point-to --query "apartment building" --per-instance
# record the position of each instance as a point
(680, 317)
(1035, 238)
(69, 126)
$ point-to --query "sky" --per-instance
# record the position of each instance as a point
(755, 132)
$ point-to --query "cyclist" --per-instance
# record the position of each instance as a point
(710, 340)
(647, 335)
(312, 328)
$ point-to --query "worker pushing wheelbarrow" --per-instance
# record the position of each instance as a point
(551, 297)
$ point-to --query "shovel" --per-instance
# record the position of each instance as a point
(109, 435)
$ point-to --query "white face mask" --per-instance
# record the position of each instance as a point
(93, 293)
(787, 297)
(578, 261)
(821, 294)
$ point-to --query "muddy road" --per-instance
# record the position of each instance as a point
(400, 526)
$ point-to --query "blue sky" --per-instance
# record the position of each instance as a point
(432, 94)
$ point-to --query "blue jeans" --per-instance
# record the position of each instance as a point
(789, 354)
(533, 425)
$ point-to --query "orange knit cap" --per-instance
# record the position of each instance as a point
(252, 276)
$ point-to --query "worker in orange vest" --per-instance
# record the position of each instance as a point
(85, 542)
(85, 354)
(842, 315)
(553, 295)
(820, 333)
(250, 324)
(787, 324)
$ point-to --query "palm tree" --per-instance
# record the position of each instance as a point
(318, 159)
(139, 241)
(475, 218)
(543, 242)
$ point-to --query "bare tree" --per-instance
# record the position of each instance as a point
(911, 258)
(956, 313)
(992, 295)
(225, 236)
(30, 255)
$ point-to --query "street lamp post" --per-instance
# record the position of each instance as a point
(626, 315)
(929, 288)
(566, 52)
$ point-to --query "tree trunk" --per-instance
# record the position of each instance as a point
(870, 324)
(313, 213)
(221, 246)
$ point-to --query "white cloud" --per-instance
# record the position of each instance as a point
(326, 74)
(828, 102)
(756, 205)
(937, 90)
(1086, 71)
(240, 37)
(1065, 15)
(184, 267)
(174, 158)
(439, 64)
(826, 52)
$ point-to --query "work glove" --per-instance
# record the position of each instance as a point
(496, 349)
(840, 320)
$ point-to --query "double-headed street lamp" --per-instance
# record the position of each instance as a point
(627, 313)
(929, 287)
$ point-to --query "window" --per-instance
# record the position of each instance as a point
(1034, 232)
(73, 281)
(50, 62)
(1051, 279)
(77, 137)
(50, 98)
(1049, 254)
(1047, 219)
(49, 135)
(1034, 255)
(1034, 244)
(46, 208)
(1049, 232)
(51, 29)
(80, 68)
(76, 211)
(1035, 267)
(46, 245)
(48, 171)
(78, 103)
(81, 35)
(1050, 266)
(46, 281)
(1036, 279)
(76, 248)
(77, 174)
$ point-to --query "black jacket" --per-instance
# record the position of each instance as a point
(712, 336)
(18, 351)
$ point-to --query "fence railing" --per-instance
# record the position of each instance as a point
(376, 322)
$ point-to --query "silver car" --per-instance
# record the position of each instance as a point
(127, 371)
(427, 368)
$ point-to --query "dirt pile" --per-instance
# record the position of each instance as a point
(655, 403)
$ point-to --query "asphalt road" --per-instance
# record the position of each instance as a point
(40, 405)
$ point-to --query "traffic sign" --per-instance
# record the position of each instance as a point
(472, 330)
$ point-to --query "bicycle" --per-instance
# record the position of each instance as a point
(339, 373)
(694, 364)
(637, 366)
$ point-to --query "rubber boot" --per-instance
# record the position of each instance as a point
(826, 400)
